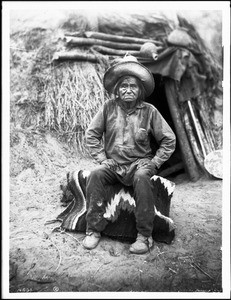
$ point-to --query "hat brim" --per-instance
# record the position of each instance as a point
(114, 73)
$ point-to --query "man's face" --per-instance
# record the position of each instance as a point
(129, 89)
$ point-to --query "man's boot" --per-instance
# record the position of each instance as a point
(141, 245)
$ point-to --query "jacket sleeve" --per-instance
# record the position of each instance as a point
(94, 136)
(164, 136)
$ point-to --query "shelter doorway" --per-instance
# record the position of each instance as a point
(158, 98)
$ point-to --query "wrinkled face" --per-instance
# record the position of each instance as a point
(129, 89)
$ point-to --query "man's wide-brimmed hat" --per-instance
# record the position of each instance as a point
(129, 65)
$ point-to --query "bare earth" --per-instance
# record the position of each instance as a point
(46, 261)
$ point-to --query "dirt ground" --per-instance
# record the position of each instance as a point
(46, 261)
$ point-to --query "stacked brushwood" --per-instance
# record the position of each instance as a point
(117, 35)
(108, 45)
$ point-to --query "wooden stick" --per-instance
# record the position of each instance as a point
(73, 237)
(193, 142)
(199, 268)
(170, 269)
(118, 38)
(90, 42)
(112, 51)
(196, 127)
(209, 137)
(74, 56)
(207, 146)
(187, 155)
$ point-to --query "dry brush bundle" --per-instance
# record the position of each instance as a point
(73, 96)
(31, 52)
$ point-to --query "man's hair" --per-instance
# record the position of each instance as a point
(142, 95)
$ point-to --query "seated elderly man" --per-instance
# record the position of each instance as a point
(118, 138)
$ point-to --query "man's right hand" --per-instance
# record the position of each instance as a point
(110, 163)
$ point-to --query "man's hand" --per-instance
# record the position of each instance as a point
(110, 163)
(146, 162)
(143, 162)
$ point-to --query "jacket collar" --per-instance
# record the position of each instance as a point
(139, 105)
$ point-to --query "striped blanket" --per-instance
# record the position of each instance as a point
(120, 209)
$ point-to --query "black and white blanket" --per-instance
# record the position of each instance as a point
(120, 209)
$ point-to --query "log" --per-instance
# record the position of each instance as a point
(111, 51)
(202, 132)
(209, 138)
(197, 128)
(118, 38)
(187, 155)
(74, 56)
(90, 42)
(190, 133)
(205, 146)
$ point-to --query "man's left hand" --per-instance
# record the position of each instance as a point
(145, 162)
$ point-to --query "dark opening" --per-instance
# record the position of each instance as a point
(174, 165)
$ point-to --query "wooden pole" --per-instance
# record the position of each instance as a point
(89, 42)
(192, 139)
(77, 56)
(187, 155)
(111, 51)
(74, 56)
(196, 127)
(118, 38)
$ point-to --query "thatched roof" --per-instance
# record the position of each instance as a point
(112, 40)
